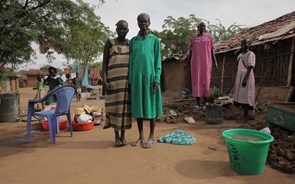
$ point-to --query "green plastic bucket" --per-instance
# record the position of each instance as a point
(247, 150)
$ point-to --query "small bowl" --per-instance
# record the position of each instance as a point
(83, 126)
(62, 124)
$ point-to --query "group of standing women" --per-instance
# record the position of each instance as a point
(131, 78)
(132, 72)
(200, 57)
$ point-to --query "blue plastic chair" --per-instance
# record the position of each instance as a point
(63, 96)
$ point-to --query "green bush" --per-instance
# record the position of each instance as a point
(4, 75)
(215, 92)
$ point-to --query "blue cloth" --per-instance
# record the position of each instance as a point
(85, 81)
(178, 137)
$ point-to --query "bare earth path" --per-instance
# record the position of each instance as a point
(89, 157)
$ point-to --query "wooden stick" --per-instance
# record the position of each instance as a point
(291, 63)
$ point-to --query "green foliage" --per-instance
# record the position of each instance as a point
(4, 75)
(176, 34)
(22, 72)
(57, 25)
(45, 68)
(17, 30)
(96, 65)
(85, 40)
(215, 92)
(220, 33)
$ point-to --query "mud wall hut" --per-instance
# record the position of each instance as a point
(32, 77)
(175, 73)
(273, 43)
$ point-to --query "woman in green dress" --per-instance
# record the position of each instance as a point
(144, 76)
(53, 81)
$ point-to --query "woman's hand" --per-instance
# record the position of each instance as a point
(244, 83)
(106, 85)
(155, 87)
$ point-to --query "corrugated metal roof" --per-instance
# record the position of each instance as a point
(277, 29)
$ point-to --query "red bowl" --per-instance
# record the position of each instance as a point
(83, 126)
(62, 124)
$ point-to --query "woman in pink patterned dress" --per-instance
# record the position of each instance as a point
(244, 94)
(200, 57)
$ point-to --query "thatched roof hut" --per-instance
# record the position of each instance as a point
(31, 77)
(273, 43)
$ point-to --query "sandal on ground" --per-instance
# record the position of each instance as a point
(136, 143)
(149, 144)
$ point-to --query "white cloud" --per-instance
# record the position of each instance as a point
(243, 12)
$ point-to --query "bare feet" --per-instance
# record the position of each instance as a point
(137, 143)
(123, 142)
(118, 143)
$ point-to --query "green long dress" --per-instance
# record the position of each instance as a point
(144, 69)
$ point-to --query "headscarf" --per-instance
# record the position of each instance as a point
(148, 17)
(202, 22)
(144, 15)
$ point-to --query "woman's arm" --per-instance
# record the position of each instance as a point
(60, 81)
(106, 57)
(158, 65)
(47, 81)
(251, 60)
(158, 61)
(130, 62)
(214, 58)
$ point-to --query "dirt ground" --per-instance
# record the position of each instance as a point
(90, 157)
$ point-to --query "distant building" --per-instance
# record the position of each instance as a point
(273, 43)
(31, 77)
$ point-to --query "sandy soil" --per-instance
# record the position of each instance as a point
(90, 157)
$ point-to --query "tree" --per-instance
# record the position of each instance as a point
(85, 41)
(47, 22)
(220, 33)
(96, 65)
(176, 33)
(45, 69)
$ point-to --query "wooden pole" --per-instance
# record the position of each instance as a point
(222, 73)
(291, 60)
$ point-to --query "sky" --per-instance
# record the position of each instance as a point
(241, 12)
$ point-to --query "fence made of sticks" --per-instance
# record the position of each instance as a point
(274, 66)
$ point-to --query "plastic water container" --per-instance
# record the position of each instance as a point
(9, 107)
(247, 150)
(214, 114)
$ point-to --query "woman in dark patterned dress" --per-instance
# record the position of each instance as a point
(115, 80)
